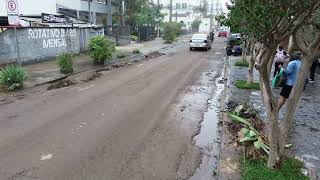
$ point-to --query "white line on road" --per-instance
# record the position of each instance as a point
(140, 65)
(46, 157)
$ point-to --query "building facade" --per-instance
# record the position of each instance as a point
(101, 11)
(182, 11)
(186, 11)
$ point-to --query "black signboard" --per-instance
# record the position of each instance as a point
(51, 18)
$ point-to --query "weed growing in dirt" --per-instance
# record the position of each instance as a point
(136, 51)
(12, 77)
(133, 38)
(242, 63)
(121, 55)
(65, 62)
(242, 84)
(257, 169)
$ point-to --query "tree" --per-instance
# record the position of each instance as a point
(220, 18)
(270, 22)
(195, 25)
(133, 8)
(307, 39)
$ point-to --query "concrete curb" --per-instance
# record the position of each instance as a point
(229, 166)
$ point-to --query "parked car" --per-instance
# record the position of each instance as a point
(236, 36)
(201, 41)
(233, 47)
(223, 34)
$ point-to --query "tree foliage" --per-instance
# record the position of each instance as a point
(271, 22)
(140, 12)
(195, 25)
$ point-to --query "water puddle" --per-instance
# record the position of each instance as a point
(209, 138)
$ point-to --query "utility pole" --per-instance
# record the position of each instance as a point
(123, 12)
(89, 11)
(170, 15)
(211, 15)
(158, 30)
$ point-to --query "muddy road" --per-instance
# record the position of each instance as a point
(137, 122)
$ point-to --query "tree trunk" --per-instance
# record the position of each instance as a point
(251, 63)
(270, 103)
(292, 102)
(244, 54)
(292, 46)
(250, 71)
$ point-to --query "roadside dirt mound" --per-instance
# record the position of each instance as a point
(61, 84)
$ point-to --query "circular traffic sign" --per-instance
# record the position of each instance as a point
(12, 6)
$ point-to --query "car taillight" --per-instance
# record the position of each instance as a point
(205, 41)
(190, 40)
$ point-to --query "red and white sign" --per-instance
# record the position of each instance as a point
(13, 12)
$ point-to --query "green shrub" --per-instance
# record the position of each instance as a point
(134, 38)
(65, 62)
(12, 77)
(136, 51)
(242, 63)
(242, 84)
(257, 169)
(171, 31)
(101, 49)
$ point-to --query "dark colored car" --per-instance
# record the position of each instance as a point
(233, 47)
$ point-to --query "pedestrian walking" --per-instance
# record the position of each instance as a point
(291, 76)
(279, 59)
(313, 69)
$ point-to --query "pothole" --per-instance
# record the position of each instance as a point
(154, 55)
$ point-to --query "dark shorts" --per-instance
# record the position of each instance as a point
(286, 90)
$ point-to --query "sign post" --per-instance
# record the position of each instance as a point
(13, 12)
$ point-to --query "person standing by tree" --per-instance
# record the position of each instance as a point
(291, 75)
(279, 59)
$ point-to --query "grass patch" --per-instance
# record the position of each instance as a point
(136, 51)
(242, 63)
(257, 169)
(121, 55)
(242, 84)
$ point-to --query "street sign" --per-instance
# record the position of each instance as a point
(13, 12)
(51, 18)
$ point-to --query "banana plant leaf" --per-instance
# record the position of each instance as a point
(247, 139)
(239, 119)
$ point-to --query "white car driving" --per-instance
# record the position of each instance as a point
(200, 41)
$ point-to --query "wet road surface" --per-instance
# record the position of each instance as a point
(136, 122)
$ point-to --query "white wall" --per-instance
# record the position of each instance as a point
(3, 11)
(72, 4)
(36, 7)
(95, 7)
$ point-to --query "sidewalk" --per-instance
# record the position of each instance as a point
(306, 131)
(44, 72)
